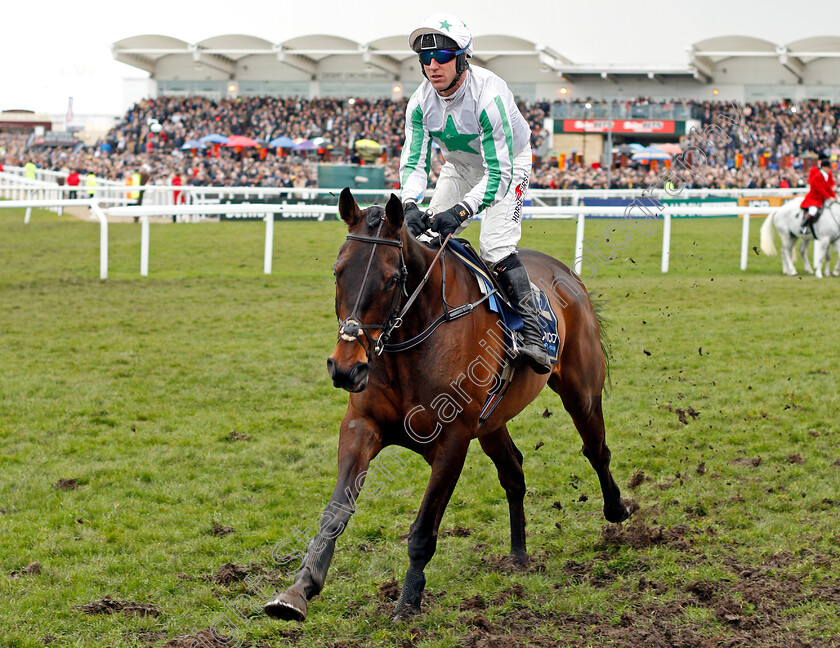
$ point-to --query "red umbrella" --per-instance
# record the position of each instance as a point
(673, 149)
(241, 141)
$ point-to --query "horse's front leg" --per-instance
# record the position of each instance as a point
(836, 271)
(447, 462)
(359, 442)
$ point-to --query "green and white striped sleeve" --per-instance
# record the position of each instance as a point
(497, 155)
(415, 160)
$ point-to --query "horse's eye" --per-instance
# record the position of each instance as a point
(393, 281)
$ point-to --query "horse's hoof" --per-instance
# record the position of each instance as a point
(288, 605)
(405, 612)
(620, 512)
(519, 559)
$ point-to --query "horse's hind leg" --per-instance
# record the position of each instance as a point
(579, 384)
(820, 252)
(508, 461)
(803, 251)
(788, 242)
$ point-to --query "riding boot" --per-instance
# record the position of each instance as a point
(513, 278)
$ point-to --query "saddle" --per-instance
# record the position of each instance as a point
(469, 256)
(499, 303)
(808, 222)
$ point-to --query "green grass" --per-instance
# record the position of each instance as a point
(131, 386)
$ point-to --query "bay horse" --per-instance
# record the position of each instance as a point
(404, 396)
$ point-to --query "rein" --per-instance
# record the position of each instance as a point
(351, 329)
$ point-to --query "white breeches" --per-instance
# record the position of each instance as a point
(501, 226)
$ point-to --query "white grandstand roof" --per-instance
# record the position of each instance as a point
(228, 57)
(159, 55)
(792, 59)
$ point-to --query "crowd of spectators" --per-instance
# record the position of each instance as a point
(767, 150)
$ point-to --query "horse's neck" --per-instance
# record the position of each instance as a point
(833, 209)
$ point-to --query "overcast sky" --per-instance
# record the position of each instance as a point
(52, 50)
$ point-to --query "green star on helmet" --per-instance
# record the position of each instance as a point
(445, 25)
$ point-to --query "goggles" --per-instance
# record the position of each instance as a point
(442, 56)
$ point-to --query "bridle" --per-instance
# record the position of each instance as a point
(351, 328)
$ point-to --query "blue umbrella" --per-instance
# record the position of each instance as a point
(193, 144)
(215, 138)
(282, 142)
(651, 153)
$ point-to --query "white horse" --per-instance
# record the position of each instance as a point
(788, 222)
(803, 252)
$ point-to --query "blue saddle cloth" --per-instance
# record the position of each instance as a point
(512, 320)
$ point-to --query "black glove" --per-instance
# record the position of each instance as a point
(448, 221)
(416, 220)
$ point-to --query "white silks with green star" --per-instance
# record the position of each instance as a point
(479, 130)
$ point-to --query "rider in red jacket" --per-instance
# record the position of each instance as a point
(821, 189)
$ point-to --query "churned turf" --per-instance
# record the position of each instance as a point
(165, 442)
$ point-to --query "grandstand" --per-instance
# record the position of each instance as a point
(742, 68)
(591, 101)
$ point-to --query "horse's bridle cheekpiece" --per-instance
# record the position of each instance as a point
(351, 329)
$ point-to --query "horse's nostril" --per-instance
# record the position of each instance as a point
(331, 367)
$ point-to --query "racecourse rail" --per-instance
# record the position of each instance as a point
(46, 193)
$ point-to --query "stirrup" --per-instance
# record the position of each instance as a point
(537, 365)
(539, 361)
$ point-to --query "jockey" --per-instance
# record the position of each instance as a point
(821, 189)
(486, 142)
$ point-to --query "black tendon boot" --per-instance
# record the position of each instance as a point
(514, 279)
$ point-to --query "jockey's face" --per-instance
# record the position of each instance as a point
(441, 75)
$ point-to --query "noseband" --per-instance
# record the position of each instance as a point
(352, 329)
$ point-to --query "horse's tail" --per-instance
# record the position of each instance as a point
(767, 245)
(598, 309)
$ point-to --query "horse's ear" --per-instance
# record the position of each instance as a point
(347, 208)
(394, 211)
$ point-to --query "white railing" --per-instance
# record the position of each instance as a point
(268, 210)
(104, 191)
(13, 186)
(16, 187)
(28, 205)
(144, 212)
(43, 175)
